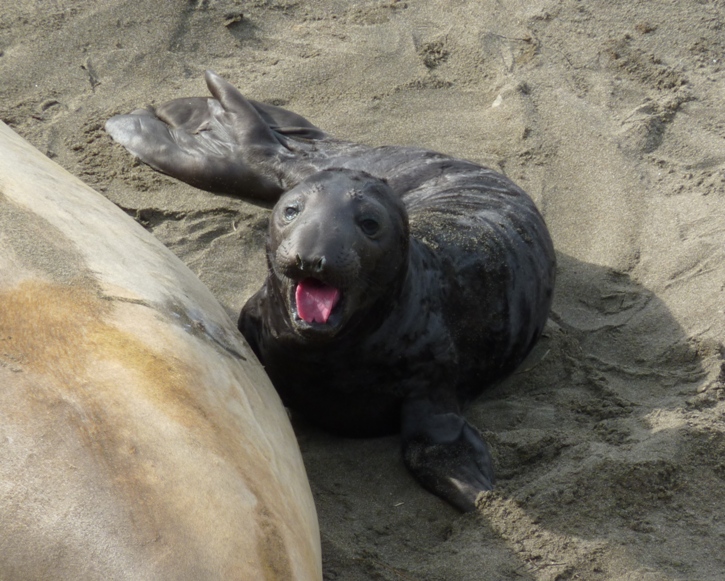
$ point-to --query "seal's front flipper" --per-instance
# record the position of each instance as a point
(224, 144)
(446, 454)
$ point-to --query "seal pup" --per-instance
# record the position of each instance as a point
(401, 281)
(139, 438)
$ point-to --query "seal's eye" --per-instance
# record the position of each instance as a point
(369, 226)
(290, 213)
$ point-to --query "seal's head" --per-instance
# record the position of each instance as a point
(337, 249)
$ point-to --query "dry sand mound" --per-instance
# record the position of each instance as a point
(610, 441)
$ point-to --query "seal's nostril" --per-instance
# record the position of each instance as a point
(313, 265)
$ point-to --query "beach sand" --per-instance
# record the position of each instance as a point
(609, 442)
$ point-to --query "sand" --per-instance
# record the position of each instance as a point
(610, 440)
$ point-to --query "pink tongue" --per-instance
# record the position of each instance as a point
(315, 300)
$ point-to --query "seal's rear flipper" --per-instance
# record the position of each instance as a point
(201, 160)
(225, 144)
(446, 454)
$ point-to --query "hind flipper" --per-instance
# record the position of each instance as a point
(225, 144)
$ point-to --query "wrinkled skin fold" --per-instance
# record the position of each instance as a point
(421, 278)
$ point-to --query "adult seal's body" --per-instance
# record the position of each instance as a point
(401, 282)
(139, 438)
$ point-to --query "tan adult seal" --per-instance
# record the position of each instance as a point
(139, 438)
(401, 281)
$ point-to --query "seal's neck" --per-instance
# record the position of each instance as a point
(404, 308)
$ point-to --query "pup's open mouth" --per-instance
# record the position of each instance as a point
(315, 300)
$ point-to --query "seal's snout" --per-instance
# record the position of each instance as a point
(314, 265)
(315, 300)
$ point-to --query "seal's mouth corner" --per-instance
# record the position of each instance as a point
(315, 300)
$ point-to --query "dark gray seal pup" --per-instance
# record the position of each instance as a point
(401, 282)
